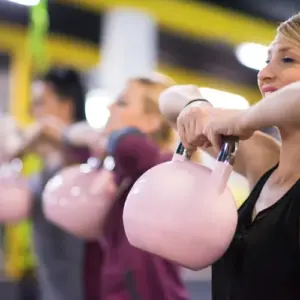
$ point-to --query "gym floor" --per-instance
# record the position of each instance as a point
(197, 283)
(199, 290)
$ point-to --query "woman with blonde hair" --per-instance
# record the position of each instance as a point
(138, 138)
(262, 261)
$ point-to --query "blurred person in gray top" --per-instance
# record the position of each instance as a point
(58, 101)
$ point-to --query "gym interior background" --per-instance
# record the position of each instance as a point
(217, 44)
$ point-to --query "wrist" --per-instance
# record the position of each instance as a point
(198, 102)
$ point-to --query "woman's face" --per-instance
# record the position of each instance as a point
(128, 110)
(45, 103)
(283, 66)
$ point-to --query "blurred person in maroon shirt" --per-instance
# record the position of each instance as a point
(138, 138)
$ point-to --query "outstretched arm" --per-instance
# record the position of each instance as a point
(280, 109)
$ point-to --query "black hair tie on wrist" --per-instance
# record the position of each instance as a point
(197, 100)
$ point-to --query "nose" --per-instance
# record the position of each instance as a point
(266, 74)
(111, 106)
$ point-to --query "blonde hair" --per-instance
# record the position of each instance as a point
(165, 137)
(291, 28)
(156, 83)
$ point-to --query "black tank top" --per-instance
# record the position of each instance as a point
(263, 260)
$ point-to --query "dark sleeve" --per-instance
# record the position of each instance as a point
(135, 153)
(76, 154)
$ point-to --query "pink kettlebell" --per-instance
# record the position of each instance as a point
(15, 195)
(183, 211)
(79, 198)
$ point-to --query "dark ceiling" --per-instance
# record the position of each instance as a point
(271, 10)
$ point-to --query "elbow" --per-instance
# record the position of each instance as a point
(173, 100)
(169, 108)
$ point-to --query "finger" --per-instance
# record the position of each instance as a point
(190, 132)
(206, 144)
(202, 142)
(201, 137)
(215, 140)
(182, 134)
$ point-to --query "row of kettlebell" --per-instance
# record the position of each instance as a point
(179, 210)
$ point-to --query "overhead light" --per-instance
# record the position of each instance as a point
(96, 108)
(252, 55)
(26, 2)
(224, 99)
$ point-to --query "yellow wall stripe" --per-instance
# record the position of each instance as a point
(13, 39)
(193, 19)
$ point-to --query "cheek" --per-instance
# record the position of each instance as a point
(126, 113)
(56, 109)
(290, 75)
(125, 117)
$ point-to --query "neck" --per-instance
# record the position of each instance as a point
(289, 162)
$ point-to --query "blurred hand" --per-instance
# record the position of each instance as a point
(98, 146)
(203, 126)
(52, 128)
(81, 134)
(11, 137)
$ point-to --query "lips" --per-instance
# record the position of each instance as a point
(268, 89)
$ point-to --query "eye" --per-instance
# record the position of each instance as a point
(287, 60)
(121, 102)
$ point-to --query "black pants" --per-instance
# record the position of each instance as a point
(28, 288)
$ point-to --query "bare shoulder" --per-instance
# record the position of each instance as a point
(256, 156)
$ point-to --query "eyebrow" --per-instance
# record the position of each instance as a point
(282, 49)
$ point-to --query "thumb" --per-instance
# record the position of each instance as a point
(215, 140)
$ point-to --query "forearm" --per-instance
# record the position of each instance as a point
(280, 109)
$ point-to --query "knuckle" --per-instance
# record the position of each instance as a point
(193, 110)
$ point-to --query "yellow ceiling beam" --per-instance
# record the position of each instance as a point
(198, 20)
(60, 49)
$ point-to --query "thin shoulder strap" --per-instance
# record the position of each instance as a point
(257, 189)
(261, 182)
